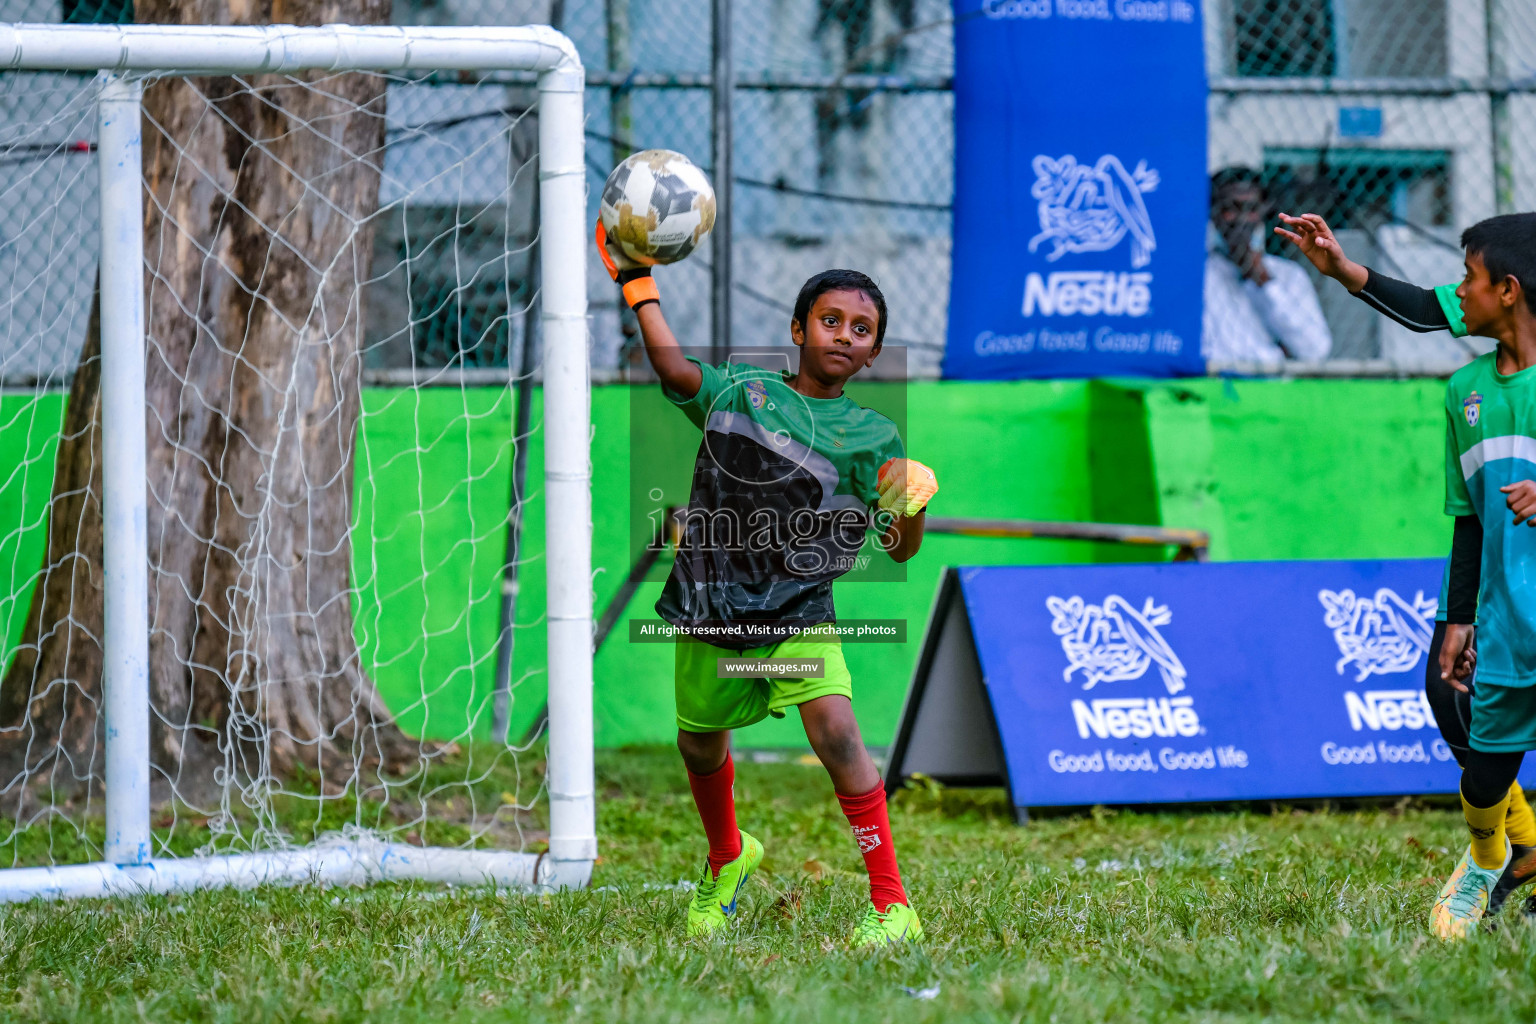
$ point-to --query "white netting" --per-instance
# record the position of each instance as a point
(339, 273)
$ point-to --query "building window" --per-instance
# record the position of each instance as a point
(1361, 188)
(1339, 38)
(1280, 38)
(97, 12)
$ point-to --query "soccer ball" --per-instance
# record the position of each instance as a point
(658, 206)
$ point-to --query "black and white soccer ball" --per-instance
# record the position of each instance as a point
(658, 206)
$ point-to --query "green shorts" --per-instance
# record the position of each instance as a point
(1503, 718)
(708, 703)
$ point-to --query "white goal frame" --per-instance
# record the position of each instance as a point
(119, 54)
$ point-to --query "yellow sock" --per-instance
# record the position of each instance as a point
(1519, 822)
(1487, 827)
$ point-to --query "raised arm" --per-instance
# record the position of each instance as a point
(678, 375)
(1418, 309)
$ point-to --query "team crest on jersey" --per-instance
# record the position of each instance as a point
(1471, 408)
(757, 393)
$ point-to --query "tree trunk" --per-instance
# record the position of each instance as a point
(257, 239)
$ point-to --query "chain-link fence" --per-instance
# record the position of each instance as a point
(1401, 121)
(843, 153)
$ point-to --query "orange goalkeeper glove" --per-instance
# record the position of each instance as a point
(905, 486)
(634, 278)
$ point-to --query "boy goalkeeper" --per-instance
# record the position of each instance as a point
(1490, 484)
(783, 488)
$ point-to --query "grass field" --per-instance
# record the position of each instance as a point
(1289, 915)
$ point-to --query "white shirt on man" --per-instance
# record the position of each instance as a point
(1246, 323)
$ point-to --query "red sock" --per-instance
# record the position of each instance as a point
(872, 831)
(715, 797)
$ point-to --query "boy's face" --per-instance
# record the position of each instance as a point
(1484, 301)
(838, 338)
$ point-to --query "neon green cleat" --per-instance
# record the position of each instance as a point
(899, 923)
(710, 910)
(1463, 900)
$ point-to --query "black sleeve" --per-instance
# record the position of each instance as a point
(1466, 571)
(1415, 308)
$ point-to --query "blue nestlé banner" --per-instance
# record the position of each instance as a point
(1178, 682)
(1080, 188)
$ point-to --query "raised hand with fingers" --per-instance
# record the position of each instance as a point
(1312, 235)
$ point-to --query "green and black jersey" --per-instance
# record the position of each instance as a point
(782, 491)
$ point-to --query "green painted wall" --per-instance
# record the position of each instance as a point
(29, 439)
(433, 476)
(1301, 468)
(1274, 469)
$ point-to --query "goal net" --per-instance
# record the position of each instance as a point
(294, 518)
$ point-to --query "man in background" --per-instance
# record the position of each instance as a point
(1259, 309)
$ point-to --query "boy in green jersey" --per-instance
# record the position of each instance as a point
(1490, 411)
(784, 485)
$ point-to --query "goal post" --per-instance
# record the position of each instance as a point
(123, 57)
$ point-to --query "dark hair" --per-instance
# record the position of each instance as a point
(840, 281)
(1507, 245)
(1228, 177)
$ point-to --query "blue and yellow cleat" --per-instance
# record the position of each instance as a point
(898, 924)
(714, 901)
(1463, 900)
